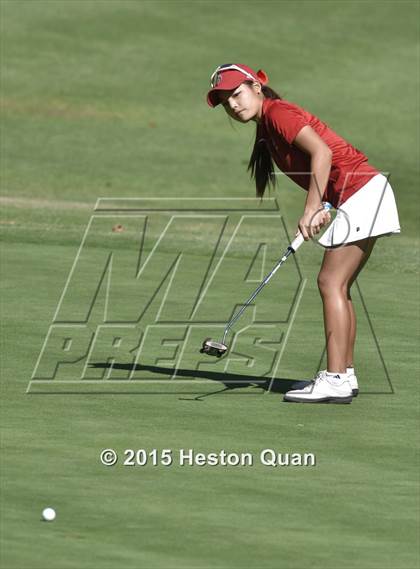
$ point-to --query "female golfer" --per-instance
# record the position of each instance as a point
(329, 169)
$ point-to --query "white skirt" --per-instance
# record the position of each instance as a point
(370, 212)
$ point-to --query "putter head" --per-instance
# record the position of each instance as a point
(212, 348)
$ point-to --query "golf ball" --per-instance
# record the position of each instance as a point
(48, 514)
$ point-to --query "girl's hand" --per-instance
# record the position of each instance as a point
(312, 221)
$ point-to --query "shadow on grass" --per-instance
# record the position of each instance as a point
(230, 381)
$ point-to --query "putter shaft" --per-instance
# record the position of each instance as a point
(235, 317)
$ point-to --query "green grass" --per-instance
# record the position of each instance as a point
(107, 99)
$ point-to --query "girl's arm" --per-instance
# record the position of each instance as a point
(321, 156)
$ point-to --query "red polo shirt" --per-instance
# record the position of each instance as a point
(281, 121)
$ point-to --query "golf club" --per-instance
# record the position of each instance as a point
(218, 349)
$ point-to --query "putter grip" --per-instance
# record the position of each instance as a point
(297, 241)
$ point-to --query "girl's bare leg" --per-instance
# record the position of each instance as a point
(339, 269)
(352, 335)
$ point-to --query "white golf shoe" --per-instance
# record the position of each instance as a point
(326, 388)
(351, 376)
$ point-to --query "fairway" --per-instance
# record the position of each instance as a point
(130, 233)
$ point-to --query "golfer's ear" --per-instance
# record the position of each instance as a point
(257, 86)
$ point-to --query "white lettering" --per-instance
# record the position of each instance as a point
(200, 459)
(296, 459)
(309, 459)
(212, 459)
(185, 456)
(268, 457)
(283, 461)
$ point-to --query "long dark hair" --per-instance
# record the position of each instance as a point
(261, 163)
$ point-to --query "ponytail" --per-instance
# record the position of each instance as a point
(261, 163)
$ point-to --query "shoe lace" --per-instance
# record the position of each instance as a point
(319, 377)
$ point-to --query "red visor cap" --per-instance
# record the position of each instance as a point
(231, 79)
